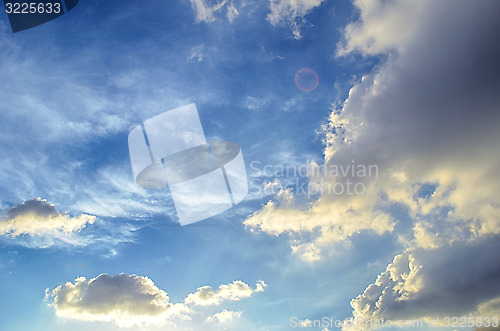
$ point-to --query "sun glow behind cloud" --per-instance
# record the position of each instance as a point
(131, 300)
(43, 224)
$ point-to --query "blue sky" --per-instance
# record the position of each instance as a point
(82, 247)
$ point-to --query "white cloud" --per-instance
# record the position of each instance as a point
(427, 116)
(382, 26)
(122, 299)
(224, 316)
(58, 159)
(259, 287)
(334, 219)
(308, 251)
(37, 224)
(206, 296)
(488, 309)
(53, 119)
(38, 218)
(196, 55)
(131, 300)
(205, 12)
(232, 12)
(255, 103)
(453, 280)
(291, 12)
(428, 122)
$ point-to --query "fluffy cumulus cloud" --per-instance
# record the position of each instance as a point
(131, 300)
(122, 299)
(427, 117)
(381, 27)
(427, 120)
(453, 280)
(334, 219)
(291, 12)
(38, 218)
(206, 296)
(224, 316)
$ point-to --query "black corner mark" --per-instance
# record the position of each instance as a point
(70, 4)
(26, 14)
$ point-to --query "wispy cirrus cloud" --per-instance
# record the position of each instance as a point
(37, 224)
(205, 11)
(289, 13)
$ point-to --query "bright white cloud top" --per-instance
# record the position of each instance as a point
(131, 300)
(224, 316)
(206, 296)
(291, 12)
(455, 280)
(38, 218)
(122, 299)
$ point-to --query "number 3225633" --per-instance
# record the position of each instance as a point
(33, 8)
(470, 322)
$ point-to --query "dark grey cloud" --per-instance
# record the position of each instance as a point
(429, 114)
(35, 206)
(126, 300)
(452, 280)
(439, 94)
(38, 218)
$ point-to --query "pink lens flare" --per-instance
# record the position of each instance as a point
(306, 79)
